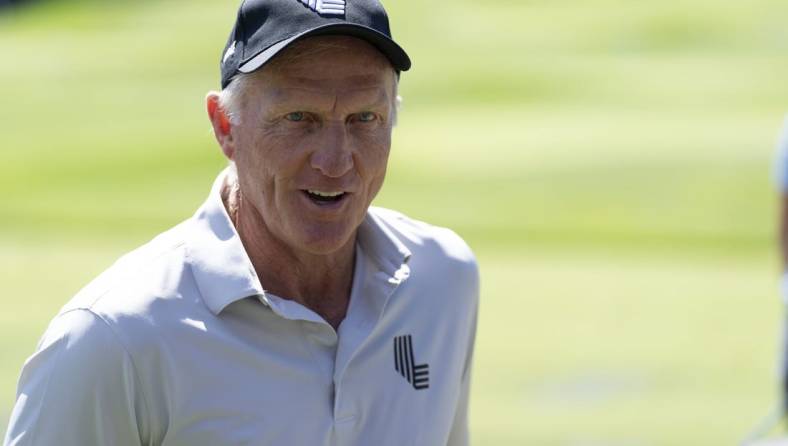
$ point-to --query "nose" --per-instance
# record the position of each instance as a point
(333, 157)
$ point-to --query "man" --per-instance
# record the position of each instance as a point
(286, 311)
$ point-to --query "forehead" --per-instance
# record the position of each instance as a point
(329, 63)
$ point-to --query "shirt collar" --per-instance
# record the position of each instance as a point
(221, 268)
(384, 247)
(224, 273)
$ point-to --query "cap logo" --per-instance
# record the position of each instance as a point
(326, 7)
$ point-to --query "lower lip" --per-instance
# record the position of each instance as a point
(326, 205)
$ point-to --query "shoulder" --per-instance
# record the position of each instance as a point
(435, 249)
(423, 236)
(160, 254)
(79, 387)
(96, 353)
(132, 295)
(90, 343)
(78, 351)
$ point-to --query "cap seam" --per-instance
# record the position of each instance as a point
(242, 27)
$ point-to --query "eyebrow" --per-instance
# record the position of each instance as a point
(284, 95)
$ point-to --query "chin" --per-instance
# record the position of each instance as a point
(325, 239)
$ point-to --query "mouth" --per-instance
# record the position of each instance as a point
(321, 197)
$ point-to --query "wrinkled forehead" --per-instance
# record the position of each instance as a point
(327, 58)
(332, 46)
(324, 67)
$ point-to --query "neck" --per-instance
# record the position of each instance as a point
(320, 282)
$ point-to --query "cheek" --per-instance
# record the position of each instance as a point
(256, 170)
(373, 159)
(377, 156)
(257, 148)
(270, 158)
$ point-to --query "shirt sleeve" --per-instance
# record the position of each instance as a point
(78, 389)
(780, 172)
(459, 434)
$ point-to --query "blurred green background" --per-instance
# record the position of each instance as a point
(608, 161)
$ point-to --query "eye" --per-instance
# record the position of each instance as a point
(295, 116)
(366, 116)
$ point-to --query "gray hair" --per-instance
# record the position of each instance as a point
(230, 97)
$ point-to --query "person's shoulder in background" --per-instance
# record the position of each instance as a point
(780, 168)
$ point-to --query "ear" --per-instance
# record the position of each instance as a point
(222, 127)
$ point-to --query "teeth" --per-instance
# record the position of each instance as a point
(320, 193)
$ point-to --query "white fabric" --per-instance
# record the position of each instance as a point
(178, 344)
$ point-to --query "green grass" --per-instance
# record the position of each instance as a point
(607, 160)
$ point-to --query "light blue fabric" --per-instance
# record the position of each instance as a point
(781, 160)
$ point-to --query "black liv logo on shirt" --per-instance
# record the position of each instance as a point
(405, 363)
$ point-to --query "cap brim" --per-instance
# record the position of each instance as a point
(398, 57)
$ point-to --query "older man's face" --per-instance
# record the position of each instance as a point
(313, 141)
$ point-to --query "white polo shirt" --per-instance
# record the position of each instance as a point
(179, 344)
